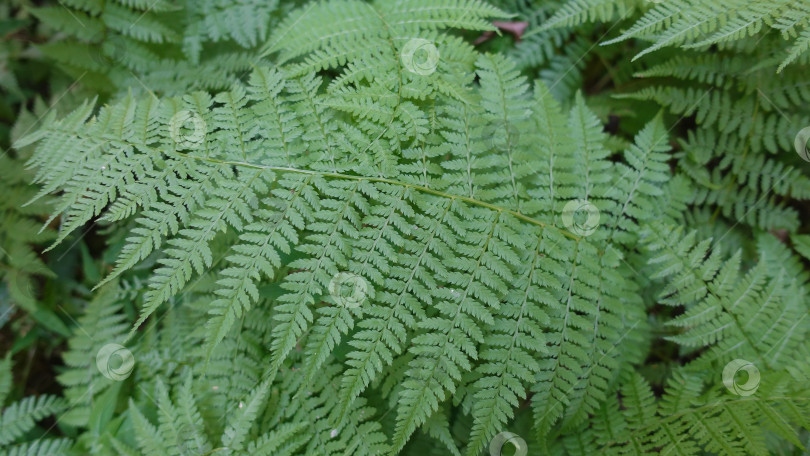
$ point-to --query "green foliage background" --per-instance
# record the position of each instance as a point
(207, 249)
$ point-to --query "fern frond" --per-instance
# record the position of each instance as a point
(20, 417)
(437, 366)
(332, 27)
(705, 421)
(102, 323)
(514, 340)
(577, 12)
(42, 447)
(736, 316)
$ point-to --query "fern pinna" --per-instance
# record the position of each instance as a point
(440, 180)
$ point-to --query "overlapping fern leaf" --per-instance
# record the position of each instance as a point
(689, 418)
(746, 117)
(157, 46)
(19, 434)
(19, 229)
(758, 314)
(692, 24)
